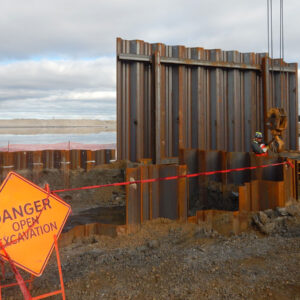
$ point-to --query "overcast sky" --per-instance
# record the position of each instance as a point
(57, 57)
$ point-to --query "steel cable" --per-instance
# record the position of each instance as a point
(268, 25)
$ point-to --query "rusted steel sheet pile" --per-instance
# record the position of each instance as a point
(159, 199)
(174, 97)
(81, 231)
(257, 189)
(49, 159)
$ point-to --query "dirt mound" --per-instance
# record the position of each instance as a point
(284, 221)
(171, 260)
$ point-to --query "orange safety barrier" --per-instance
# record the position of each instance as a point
(19, 280)
(22, 283)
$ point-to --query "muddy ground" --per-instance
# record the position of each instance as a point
(171, 260)
(84, 199)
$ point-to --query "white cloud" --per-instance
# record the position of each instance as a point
(64, 50)
(84, 28)
(47, 89)
(61, 74)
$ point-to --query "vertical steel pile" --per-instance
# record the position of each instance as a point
(173, 97)
(258, 189)
(53, 159)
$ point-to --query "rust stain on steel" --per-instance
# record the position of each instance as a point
(65, 167)
(144, 194)
(90, 160)
(48, 159)
(290, 182)
(182, 193)
(172, 97)
(262, 194)
(245, 198)
(255, 196)
(154, 192)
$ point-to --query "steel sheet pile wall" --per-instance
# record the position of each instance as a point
(173, 97)
(53, 159)
(257, 189)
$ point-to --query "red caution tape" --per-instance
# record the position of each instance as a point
(169, 178)
(290, 164)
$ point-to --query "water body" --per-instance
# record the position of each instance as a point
(91, 138)
(101, 109)
(106, 215)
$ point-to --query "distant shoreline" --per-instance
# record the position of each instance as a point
(60, 126)
(14, 123)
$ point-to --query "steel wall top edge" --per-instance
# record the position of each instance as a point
(163, 46)
(216, 60)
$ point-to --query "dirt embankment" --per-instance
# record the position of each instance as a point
(171, 260)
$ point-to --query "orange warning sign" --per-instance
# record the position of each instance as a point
(29, 219)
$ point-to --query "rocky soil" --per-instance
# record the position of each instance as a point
(171, 260)
(167, 259)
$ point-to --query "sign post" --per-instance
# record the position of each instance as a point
(29, 218)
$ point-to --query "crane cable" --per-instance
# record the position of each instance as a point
(268, 24)
(281, 31)
(281, 47)
(270, 43)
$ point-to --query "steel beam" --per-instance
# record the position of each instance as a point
(203, 63)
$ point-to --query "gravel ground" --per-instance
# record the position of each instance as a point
(171, 260)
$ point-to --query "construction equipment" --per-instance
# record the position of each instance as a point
(277, 123)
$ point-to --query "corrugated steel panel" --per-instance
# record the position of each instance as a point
(172, 198)
(173, 97)
(159, 199)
